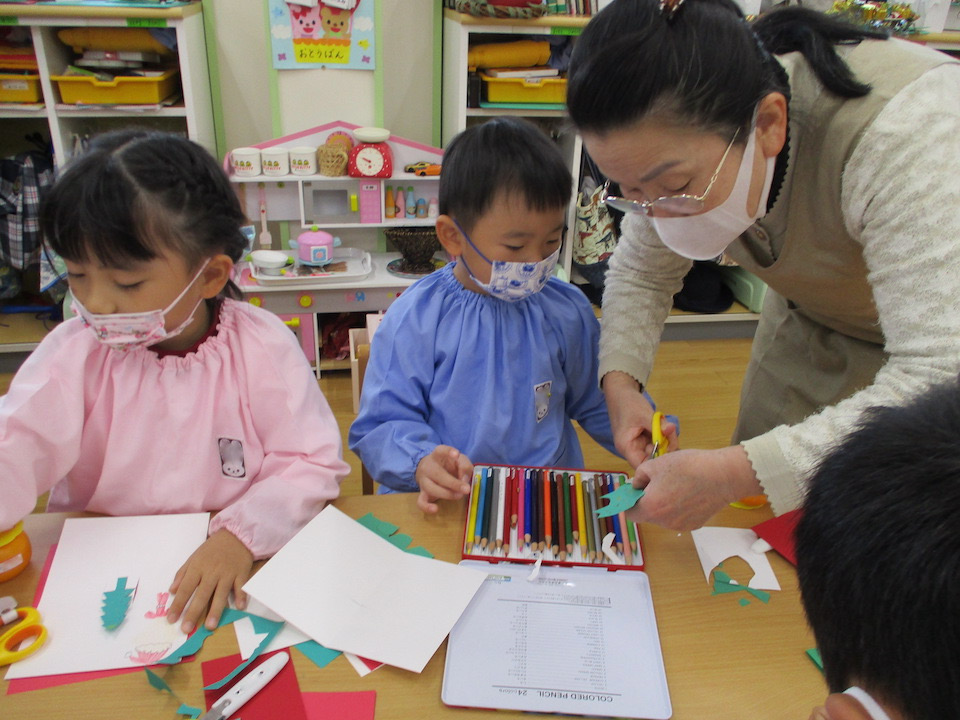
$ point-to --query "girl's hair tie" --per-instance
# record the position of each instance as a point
(668, 8)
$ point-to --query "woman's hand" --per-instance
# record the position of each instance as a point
(444, 474)
(631, 416)
(684, 489)
(220, 565)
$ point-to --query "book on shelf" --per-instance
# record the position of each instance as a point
(537, 71)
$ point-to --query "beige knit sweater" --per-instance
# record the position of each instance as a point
(901, 199)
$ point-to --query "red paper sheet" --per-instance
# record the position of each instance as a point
(778, 532)
(281, 697)
(340, 705)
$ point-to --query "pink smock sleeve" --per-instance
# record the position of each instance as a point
(41, 420)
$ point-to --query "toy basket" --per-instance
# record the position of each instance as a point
(417, 245)
(333, 160)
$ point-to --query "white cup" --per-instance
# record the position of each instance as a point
(245, 161)
(275, 161)
(303, 160)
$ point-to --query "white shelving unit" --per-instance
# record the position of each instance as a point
(350, 208)
(460, 32)
(192, 115)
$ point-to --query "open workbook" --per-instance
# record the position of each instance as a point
(572, 640)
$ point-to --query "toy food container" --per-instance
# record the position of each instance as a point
(315, 247)
(15, 552)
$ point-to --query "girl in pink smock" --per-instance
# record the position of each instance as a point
(166, 394)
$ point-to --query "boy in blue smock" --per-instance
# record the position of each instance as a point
(490, 358)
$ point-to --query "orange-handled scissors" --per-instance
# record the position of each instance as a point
(660, 442)
(26, 624)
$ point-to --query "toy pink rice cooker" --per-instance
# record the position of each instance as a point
(315, 247)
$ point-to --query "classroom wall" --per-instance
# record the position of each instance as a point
(259, 103)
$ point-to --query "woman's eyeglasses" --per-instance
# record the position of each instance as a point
(673, 204)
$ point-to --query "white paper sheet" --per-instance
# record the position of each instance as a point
(351, 590)
(91, 555)
(248, 640)
(578, 641)
(716, 544)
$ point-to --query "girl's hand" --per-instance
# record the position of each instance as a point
(631, 415)
(444, 474)
(685, 488)
(220, 565)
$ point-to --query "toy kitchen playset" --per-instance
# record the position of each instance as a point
(359, 206)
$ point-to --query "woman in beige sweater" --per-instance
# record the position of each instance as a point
(820, 157)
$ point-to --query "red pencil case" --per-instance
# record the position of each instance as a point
(524, 514)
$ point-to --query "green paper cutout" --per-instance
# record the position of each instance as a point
(316, 653)
(190, 646)
(158, 682)
(400, 540)
(189, 711)
(814, 655)
(621, 499)
(744, 602)
(116, 603)
(380, 527)
(723, 583)
(261, 625)
(761, 595)
(420, 551)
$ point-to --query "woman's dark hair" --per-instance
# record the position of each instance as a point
(136, 193)
(704, 67)
(502, 155)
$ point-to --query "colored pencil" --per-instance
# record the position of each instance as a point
(591, 540)
(625, 529)
(598, 530)
(559, 532)
(581, 518)
(547, 512)
(487, 508)
(521, 509)
(527, 506)
(617, 530)
(472, 515)
(572, 498)
(501, 489)
(536, 499)
(481, 508)
(567, 522)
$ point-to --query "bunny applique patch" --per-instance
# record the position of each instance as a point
(231, 458)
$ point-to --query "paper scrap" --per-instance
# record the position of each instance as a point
(317, 653)
(621, 499)
(716, 544)
(723, 583)
(160, 684)
(778, 531)
(363, 666)
(350, 599)
(341, 705)
(814, 655)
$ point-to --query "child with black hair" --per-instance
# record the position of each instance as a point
(166, 394)
(490, 358)
(878, 559)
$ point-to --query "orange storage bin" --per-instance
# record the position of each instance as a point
(122, 90)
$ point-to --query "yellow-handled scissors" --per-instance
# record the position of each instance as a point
(26, 624)
(660, 442)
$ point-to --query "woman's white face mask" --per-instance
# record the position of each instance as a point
(708, 234)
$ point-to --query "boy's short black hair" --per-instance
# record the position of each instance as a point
(503, 154)
(878, 557)
(137, 193)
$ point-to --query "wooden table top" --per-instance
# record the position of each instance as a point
(723, 660)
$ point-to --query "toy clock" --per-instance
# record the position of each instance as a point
(371, 156)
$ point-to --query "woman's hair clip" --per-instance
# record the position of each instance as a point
(668, 8)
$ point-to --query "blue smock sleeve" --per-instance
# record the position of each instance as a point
(585, 400)
(391, 433)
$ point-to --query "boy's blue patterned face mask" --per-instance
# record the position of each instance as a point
(513, 281)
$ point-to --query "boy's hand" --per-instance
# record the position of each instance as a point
(444, 474)
(220, 565)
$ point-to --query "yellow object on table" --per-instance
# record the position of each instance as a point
(15, 552)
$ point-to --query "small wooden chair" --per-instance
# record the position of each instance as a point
(363, 356)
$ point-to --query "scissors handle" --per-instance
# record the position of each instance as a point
(27, 627)
(660, 442)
